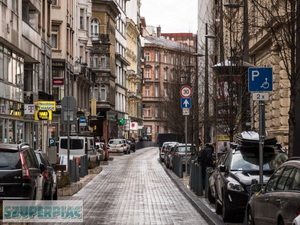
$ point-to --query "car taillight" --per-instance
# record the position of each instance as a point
(162, 150)
(45, 174)
(25, 170)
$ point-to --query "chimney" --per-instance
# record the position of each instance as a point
(158, 31)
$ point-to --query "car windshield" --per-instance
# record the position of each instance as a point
(182, 149)
(9, 160)
(248, 159)
(74, 143)
(115, 142)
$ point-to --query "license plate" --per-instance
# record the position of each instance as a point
(1, 188)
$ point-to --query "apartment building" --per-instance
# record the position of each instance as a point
(166, 63)
(134, 73)
(103, 33)
(25, 69)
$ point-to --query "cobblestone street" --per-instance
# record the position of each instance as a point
(135, 189)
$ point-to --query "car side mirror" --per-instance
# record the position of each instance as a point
(223, 168)
(97, 147)
(254, 188)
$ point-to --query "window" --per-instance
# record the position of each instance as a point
(95, 28)
(156, 73)
(156, 91)
(165, 58)
(166, 74)
(296, 181)
(103, 62)
(147, 73)
(55, 2)
(147, 112)
(54, 36)
(271, 186)
(102, 93)
(156, 57)
(172, 60)
(147, 91)
(81, 19)
(283, 179)
(147, 56)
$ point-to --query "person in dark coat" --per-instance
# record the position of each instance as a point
(205, 159)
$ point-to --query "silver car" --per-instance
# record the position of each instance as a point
(118, 146)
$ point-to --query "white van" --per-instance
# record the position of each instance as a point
(79, 146)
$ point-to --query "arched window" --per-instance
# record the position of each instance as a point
(95, 28)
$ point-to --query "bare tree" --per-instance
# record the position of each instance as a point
(281, 21)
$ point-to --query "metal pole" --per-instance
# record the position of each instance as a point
(186, 145)
(68, 131)
(261, 140)
(206, 100)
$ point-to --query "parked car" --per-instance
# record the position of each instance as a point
(184, 151)
(118, 145)
(230, 182)
(20, 173)
(168, 152)
(102, 149)
(131, 143)
(163, 149)
(50, 177)
(279, 201)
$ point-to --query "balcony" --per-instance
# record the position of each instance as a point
(102, 38)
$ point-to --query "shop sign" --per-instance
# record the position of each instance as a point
(43, 115)
(58, 81)
(29, 109)
(46, 105)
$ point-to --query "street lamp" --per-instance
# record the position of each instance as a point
(206, 91)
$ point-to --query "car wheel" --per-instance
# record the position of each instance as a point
(250, 218)
(226, 215)
(218, 207)
(210, 198)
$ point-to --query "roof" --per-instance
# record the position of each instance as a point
(163, 42)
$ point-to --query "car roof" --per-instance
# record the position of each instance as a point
(6, 146)
(292, 162)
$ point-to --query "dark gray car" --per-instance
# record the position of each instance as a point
(279, 201)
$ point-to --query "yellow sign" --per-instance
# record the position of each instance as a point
(46, 105)
(43, 115)
(222, 137)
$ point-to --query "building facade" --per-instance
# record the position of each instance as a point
(167, 66)
(25, 69)
(103, 65)
(134, 123)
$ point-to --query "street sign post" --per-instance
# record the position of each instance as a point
(260, 80)
(186, 103)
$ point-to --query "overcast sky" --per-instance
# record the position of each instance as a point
(174, 16)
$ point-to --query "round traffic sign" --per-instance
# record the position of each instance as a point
(186, 91)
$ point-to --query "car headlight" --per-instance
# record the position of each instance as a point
(235, 186)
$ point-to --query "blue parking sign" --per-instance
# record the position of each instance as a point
(260, 79)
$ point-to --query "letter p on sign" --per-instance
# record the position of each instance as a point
(255, 73)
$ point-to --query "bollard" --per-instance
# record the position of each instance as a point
(199, 181)
(81, 167)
